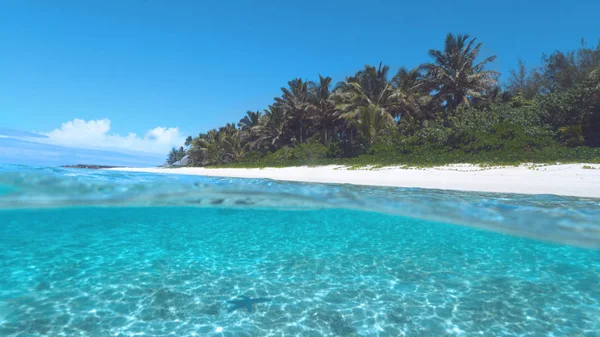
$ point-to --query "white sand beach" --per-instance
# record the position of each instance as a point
(582, 180)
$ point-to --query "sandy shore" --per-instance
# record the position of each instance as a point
(568, 179)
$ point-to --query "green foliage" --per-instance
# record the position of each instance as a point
(562, 70)
(572, 134)
(455, 74)
(475, 130)
(449, 110)
(559, 71)
(311, 153)
(575, 112)
(305, 151)
(175, 155)
(503, 134)
(525, 83)
(371, 121)
(433, 157)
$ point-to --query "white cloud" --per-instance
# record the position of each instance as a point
(95, 134)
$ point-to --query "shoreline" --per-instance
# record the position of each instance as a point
(561, 179)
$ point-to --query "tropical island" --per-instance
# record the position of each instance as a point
(451, 109)
(90, 166)
(447, 124)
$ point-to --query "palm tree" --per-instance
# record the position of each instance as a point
(228, 129)
(324, 112)
(371, 121)
(295, 101)
(235, 147)
(411, 94)
(248, 126)
(249, 121)
(212, 146)
(364, 101)
(455, 75)
(272, 128)
(172, 157)
(175, 155)
(367, 87)
(181, 153)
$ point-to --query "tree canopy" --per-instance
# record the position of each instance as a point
(451, 106)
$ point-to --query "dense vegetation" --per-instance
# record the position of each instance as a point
(176, 155)
(448, 110)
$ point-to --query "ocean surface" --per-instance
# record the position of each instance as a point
(105, 253)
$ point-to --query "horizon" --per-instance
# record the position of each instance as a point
(138, 78)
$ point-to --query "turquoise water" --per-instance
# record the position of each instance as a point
(89, 253)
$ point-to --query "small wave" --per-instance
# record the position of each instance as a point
(564, 220)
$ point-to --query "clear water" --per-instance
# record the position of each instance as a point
(90, 253)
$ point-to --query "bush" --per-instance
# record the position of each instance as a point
(305, 152)
(311, 153)
(502, 134)
(509, 133)
(576, 112)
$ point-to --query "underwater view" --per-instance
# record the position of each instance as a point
(106, 253)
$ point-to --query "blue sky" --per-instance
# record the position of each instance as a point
(194, 65)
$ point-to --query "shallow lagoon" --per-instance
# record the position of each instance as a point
(105, 270)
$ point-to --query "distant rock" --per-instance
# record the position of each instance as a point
(92, 167)
(183, 161)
